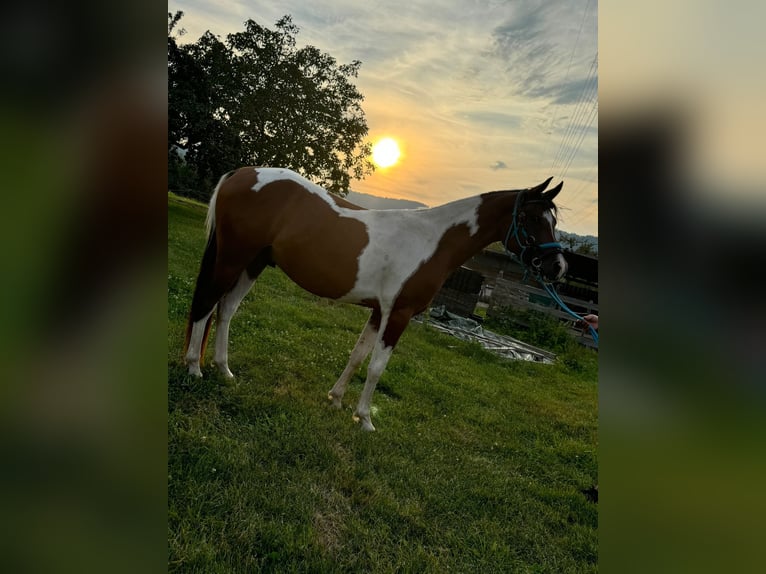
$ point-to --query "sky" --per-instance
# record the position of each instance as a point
(481, 95)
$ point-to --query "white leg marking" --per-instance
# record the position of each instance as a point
(358, 355)
(195, 345)
(226, 308)
(380, 357)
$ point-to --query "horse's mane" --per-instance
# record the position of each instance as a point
(545, 201)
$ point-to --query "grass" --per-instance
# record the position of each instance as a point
(477, 465)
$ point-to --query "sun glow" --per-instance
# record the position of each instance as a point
(385, 153)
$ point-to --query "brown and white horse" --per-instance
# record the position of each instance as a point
(392, 261)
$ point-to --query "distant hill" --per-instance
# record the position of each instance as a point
(374, 202)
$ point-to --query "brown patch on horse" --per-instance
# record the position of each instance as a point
(455, 247)
(302, 230)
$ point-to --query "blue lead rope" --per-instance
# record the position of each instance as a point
(551, 291)
(555, 296)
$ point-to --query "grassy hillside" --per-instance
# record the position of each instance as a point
(477, 465)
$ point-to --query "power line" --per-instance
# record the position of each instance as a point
(584, 215)
(586, 181)
(576, 125)
(583, 132)
(566, 76)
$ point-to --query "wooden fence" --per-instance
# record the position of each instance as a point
(507, 292)
(466, 289)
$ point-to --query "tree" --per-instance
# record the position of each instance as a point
(584, 245)
(257, 99)
(585, 249)
(567, 240)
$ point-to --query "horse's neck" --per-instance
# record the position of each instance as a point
(496, 214)
(484, 216)
(463, 211)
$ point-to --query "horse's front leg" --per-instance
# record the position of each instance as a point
(384, 347)
(361, 350)
(380, 357)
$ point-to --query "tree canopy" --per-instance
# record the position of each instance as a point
(258, 99)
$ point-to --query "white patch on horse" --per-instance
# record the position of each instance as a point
(267, 175)
(400, 241)
(548, 216)
(562, 262)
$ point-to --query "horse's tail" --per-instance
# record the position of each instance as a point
(205, 277)
(210, 219)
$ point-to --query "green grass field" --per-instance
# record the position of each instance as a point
(477, 464)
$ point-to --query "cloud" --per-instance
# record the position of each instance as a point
(570, 92)
(498, 165)
(576, 90)
(546, 49)
(493, 119)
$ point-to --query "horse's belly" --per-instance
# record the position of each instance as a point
(326, 277)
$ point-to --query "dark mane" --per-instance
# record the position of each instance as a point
(547, 202)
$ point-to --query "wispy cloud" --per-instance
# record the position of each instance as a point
(545, 47)
(495, 119)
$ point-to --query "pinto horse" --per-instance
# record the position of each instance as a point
(392, 261)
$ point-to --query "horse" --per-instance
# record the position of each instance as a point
(391, 261)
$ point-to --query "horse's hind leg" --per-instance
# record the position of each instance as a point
(209, 290)
(197, 337)
(227, 306)
(361, 350)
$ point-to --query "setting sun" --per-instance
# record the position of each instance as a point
(385, 153)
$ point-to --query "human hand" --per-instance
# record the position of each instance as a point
(589, 321)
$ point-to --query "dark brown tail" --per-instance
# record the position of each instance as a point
(201, 301)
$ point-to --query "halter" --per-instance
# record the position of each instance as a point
(532, 254)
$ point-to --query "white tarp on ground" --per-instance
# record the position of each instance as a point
(469, 330)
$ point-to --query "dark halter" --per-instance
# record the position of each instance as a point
(532, 253)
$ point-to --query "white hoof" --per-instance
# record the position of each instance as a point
(195, 371)
(224, 370)
(336, 402)
(365, 422)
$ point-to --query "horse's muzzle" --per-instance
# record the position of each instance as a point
(552, 267)
(546, 261)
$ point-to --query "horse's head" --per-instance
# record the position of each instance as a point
(534, 229)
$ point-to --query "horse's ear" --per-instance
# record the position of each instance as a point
(538, 189)
(551, 193)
